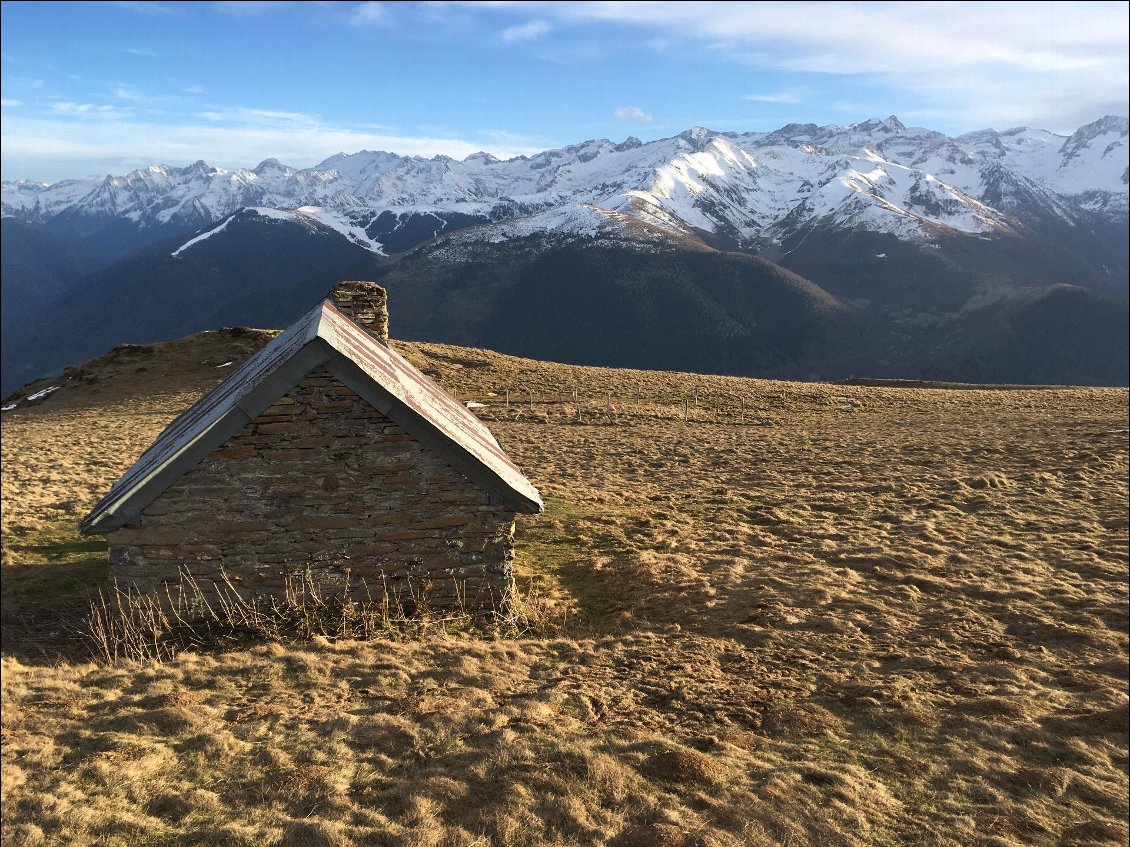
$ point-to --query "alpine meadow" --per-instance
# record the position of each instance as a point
(587, 425)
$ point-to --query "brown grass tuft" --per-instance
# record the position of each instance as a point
(650, 835)
(313, 834)
(682, 766)
(1115, 721)
(1096, 833)
(170, 806)
(799, 720)
(991, 480)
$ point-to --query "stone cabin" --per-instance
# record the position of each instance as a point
(324, 453)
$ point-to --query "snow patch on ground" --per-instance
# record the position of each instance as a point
(304, 214)
(339, 223)
(39, 395)
(204, 236)
(586, 221)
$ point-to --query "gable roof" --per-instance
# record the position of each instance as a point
(323, 337)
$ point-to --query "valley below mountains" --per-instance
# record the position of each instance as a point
(873, 250)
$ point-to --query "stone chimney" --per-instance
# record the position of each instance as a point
(364, 303)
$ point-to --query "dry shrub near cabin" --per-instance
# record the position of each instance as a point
(124, 623)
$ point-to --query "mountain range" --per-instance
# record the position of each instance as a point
(808, 252)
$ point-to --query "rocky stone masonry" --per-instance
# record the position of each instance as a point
(323, 481)
(366, 304)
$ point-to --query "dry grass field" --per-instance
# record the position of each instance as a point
(895, 619)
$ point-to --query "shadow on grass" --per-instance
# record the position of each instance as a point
(47, 580)
(551, 554)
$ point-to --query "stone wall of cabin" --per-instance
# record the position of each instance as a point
(322, 481)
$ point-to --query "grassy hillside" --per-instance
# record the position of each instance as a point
(894, 616)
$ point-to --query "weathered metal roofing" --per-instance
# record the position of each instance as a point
(323, 337)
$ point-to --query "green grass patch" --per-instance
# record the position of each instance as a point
(52, 562)
(551, 552)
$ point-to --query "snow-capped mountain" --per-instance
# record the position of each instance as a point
(740, 189)
(871, 249)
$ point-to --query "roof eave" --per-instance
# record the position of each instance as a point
(126, 507)
(352, 375)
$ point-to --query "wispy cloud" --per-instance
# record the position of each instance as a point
(778, 97)
(530, 31)
(244, 115)
(141, 51)
(10, 104)
(504, 139)
(194, 89)
(1052, 64)
(145, 8)
(246, 8)
(46, 147)
(23, 82)
(67, 108)
(367, 14)
(633, 113)
(128, 92)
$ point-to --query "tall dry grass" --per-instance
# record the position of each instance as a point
(125, 624)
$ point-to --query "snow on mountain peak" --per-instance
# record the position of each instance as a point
(891, 124)
(269, 165)
(1107, 125)
(877, 174)
(481, 156)
(696, 137)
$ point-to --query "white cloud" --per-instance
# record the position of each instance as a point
(194, 89)
(50, 148)
(141, 51)
(530, 31)
(633, 113)
(368, 13)
(261, 116)
(1050, 64)
(8, 104)
(778, 97)
(245, 8)
(67, 108)
(145, 8)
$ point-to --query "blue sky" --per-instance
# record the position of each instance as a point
(90, 88)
